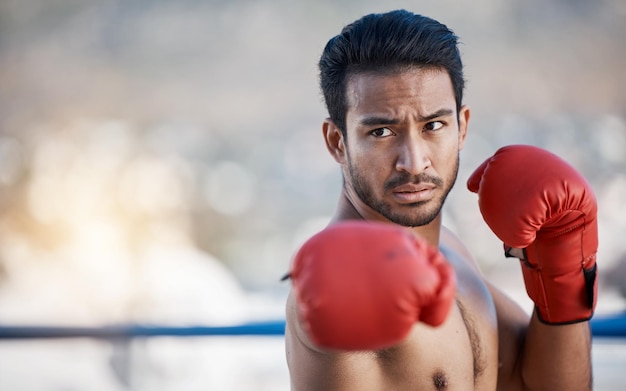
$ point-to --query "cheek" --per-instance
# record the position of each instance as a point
(373, 154)
(368, 167)
(444, 161)
(371, 162)
(449, 151)
(450, 164)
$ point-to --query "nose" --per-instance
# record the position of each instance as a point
(413, 156)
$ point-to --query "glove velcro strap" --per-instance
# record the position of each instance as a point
(562, 299)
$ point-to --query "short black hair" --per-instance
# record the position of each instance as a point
(388, 42)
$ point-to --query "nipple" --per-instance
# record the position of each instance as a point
(440, 381)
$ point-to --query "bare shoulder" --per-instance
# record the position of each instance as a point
(450, 242)
(458, 254)
(312, 368)
(473, 287)
(493, 309)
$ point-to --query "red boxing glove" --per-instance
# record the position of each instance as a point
(363, 285)
(534, 200)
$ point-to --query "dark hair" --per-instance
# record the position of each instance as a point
(389, 42)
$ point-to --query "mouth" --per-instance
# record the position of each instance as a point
(412, 193)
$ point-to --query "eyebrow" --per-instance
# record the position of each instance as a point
(380, 120)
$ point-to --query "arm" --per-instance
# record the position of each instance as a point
(537, 356)
(557, 357)
(545, 213)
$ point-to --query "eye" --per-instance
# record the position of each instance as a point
(433, 126)
(381, 132)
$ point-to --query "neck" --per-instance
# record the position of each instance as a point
(349, 210)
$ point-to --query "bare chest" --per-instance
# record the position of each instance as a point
(459, 355)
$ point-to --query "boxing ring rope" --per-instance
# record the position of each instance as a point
(608, 326)
(265, 328)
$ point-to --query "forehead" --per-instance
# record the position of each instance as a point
(416, 91)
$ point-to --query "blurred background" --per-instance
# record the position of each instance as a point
(160, 162)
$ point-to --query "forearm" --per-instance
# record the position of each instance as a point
(545, 213)
(557, 357)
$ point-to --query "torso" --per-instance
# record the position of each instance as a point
(459, 355)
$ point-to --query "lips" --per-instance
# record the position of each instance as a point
(411, 192)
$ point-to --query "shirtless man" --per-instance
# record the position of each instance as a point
(373, 306)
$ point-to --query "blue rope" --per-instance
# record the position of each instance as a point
(613, 326)
(609, 326)
(269, 328)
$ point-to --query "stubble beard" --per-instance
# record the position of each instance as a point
(409, 215)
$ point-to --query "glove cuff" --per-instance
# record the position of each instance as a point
(562, 299)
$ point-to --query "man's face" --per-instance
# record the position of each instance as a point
(402, 144)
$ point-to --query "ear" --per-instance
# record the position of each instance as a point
(464, 117)
(334, 141)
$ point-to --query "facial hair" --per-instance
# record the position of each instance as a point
(410, 215)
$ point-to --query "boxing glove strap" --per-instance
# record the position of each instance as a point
(562, 299)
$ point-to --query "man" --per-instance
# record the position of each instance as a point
(373, 305)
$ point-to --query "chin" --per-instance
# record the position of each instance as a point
(415, 219)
